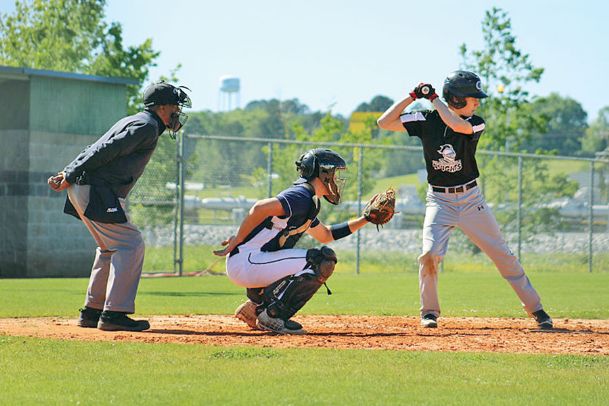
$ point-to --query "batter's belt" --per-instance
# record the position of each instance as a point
(456, 189)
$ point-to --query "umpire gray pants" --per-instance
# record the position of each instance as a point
(469, 212)
(118, 261)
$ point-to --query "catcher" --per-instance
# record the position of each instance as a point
(279, 278)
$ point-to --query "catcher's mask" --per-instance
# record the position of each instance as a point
(459, 85)
(162, 93)
(326, 165)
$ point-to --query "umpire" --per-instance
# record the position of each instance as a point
(98, 182)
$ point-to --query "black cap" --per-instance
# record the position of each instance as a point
(164, 93)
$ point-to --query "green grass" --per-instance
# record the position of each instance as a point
(563, 167)
(68, 372)
(571, 295)
(200, 257)
(395, 182)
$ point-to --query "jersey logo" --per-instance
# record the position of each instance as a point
(447, 163)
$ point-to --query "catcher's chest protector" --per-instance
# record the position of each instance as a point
(289, 236)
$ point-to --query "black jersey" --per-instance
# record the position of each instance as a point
(449, 156)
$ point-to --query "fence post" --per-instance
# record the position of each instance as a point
(590, 215)
(269, 169)
(519, 213)
(360, 165)
(181, 199)
(176, 213)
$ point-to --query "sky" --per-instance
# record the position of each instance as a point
(336, 54)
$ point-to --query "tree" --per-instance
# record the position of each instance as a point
(567, 123)
(377, 104)
(506, 72)
(596, 138)
(71, 36)
(511, 120)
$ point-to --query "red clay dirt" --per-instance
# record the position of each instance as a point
(588, 337)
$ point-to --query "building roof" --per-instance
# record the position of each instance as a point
(24, 73)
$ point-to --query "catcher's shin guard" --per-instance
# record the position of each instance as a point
(288, 295)
(256, 295)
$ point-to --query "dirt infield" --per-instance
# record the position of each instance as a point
(589, 337)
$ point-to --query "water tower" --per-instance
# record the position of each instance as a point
(230, 87)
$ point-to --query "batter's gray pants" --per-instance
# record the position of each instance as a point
(469, 212)
(118, 262)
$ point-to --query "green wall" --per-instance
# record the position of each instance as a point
(75, 106)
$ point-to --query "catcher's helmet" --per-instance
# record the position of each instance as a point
(459, 85)
(323, 163)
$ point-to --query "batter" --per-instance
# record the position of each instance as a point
(449, 135)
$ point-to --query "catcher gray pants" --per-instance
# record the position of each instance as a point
(119, 258)
(468, 211)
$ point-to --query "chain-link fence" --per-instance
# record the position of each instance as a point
(553, 211)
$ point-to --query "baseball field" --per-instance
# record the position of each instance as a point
(364, 345)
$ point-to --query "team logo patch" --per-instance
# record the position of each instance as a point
(447, 163)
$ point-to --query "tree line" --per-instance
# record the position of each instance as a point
(72, 35)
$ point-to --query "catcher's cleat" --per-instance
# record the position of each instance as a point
(268, 323)
(89, 317)
(118, 321)
(543, 319)
(246, 312)
(429, 321)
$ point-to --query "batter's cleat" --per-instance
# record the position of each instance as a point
(429, 320)
(246, 312)
(118, 321)
(543, 319)
(268, 323)
(89, 317)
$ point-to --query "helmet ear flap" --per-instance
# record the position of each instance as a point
(456, 101)
(306, 165)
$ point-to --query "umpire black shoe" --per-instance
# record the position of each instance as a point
(89, 317)
(543, 319)
(429, 320)
(118, 321)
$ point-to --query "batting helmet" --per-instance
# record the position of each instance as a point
(323, 163)
(459, 85)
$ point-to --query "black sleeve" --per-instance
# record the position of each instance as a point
(478, 126)
(414, 122)
(105, 150)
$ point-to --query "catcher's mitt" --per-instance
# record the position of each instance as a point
(381, 208)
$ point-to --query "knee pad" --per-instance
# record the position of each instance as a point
(430, 262)
(288, 295)
(322, 261)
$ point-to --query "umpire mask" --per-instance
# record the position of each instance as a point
(177, 121)
(163, 93)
